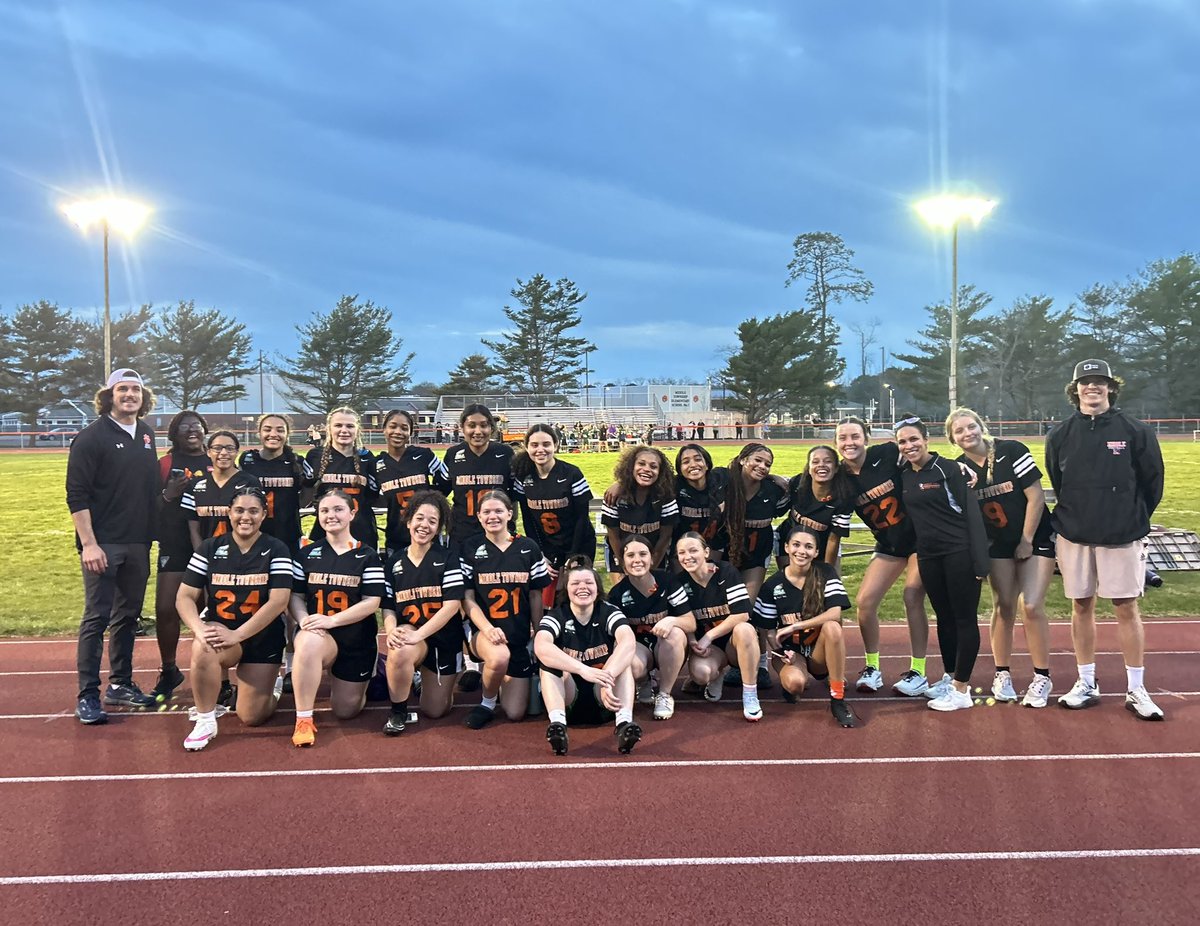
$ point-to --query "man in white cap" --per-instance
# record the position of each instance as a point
(113, 495)
(1107, 471)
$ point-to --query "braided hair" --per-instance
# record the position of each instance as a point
(327, 446)
(988, 440)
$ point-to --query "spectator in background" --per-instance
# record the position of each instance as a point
(737, 430)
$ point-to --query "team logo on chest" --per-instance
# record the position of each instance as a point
(1116, 446)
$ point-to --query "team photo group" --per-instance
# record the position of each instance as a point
(481, 577)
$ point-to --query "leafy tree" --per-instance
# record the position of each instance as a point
(1164, 306)
(7, 355)
(928, 375)
(197, 355)
(778, 366)
(40, 345)
(539, 355)
(348, 356)
(1101, 329)
(474, 375)
(128, 349)
(1024, 362)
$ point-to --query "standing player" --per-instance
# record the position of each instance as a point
(585, 648)
(112, 494)
(402, 470)
(242, 579)
(821, 500)
(645, 504)
(1008, 487)
(875, 472)
(342, 462)
(421, 614)
(504, 577)
(185, 461)
(284, 476)
(476, 466)
(206, 501)
(337, 588)
(1107, 471)
(699, 493)
(802, 606)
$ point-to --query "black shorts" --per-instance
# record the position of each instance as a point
(266, 646)
(1043, 545)
(903, 552)
(173, 560)
(520, 661)
(444, 650)
(586, 708)
(357, 650)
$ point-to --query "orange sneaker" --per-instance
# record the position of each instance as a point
(305, 733)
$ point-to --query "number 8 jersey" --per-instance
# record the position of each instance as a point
(878, 502)
(237, 584)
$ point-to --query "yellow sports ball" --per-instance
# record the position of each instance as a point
(978, 691)
(991, 702)
(977, 701)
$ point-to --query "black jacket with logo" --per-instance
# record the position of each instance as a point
(115, 477)
(1107, 473)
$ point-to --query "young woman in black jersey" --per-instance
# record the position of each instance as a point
(285, 477)
(952, 554)
(699, 493)
(821, 500)
(503, 577)
(875, 472)
(477, 465)
(241, 581)
(421, 615)
(342, 462)
(586, 640)
(402, 470)
(337, 589)
(661, 618)
(206, 501)
(721, 608)
(1009, 490)
(645, 504)
(801, 606)
(553, 495)
(185, 461)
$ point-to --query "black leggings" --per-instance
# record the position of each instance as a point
(953, 591)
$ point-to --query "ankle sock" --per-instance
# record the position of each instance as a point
(400, 708)
(917, 665)
(489, 703)
(1088, 674)
(1135, 676)
(837, 690)
(873, 660)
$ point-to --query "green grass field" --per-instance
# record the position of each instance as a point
(41, 590)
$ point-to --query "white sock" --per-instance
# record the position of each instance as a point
(558, 717)
(489, 703)
(304, 715)
(1088, 674)
(207, 715)
(749, 691)
(1135, 676)
(762, 661)
(624, 715)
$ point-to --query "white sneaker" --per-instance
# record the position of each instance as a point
(1002, 687)
(645, 692)
(1080, 696)
(204, 731)
(951, 700)
(1138, 702)
(911, 684)
(751, 709)
(714, 689)
(869, 679)
(664, 706)
(938, 688)
(277, 691)
(1038, 692)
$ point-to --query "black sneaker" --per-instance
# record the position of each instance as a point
(480, 717)
(733, 676)
(556, 736)
(128, 694)
(842, 713)
(628, 734)
(89, 712)
(228, 696)
(142, 627)
(787, 696)
(287, 683)
(168, 680)
(470, 681)
(764, 678)
(394, 725)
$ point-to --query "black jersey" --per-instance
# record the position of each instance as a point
(354, 475)
(331, 581)
(471, 475)
(1001, 493)
(417, 592)
(649, 519)
(502, 581)
(591, 642)
(174, 539)
(554, 511)
(725, 594)
(399, 480)
(283, 478)
(667, 598)
(208, 503)
(699, 509)
(879, 503)
(237, 584)
(943, 512)
(824, 518)
(780, 603)
(768, 503)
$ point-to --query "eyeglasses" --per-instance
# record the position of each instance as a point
(223, 448)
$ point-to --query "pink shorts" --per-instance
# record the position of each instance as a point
(1109, 572)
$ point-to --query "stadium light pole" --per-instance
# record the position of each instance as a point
(946, 212)
(891, 399)
(110, 212)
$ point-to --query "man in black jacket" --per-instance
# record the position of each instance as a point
(1107, 471)
(113, 494)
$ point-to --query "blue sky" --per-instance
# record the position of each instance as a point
(663, 155)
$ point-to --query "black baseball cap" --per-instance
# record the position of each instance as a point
(1092, 368)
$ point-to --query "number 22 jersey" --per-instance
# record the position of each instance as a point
(879, 504)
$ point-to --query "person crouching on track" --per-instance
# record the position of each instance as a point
(585, 647)
(244, 578)
(801, 606)
(338, 586)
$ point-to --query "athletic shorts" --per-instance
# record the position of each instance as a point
(520, 660)
(266, 646)
(1043, 544)
(444, 650)
(1110, 572)
(357, 650)
(586, 708)
(173, 560)
(883, 548)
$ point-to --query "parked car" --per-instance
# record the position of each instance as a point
(59, 435)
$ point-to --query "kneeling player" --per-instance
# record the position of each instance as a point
(802, 607)
(586, 640)
(244, 578)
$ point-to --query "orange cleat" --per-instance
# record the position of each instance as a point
(305, 733)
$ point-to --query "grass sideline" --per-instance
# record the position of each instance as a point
(41, 592)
